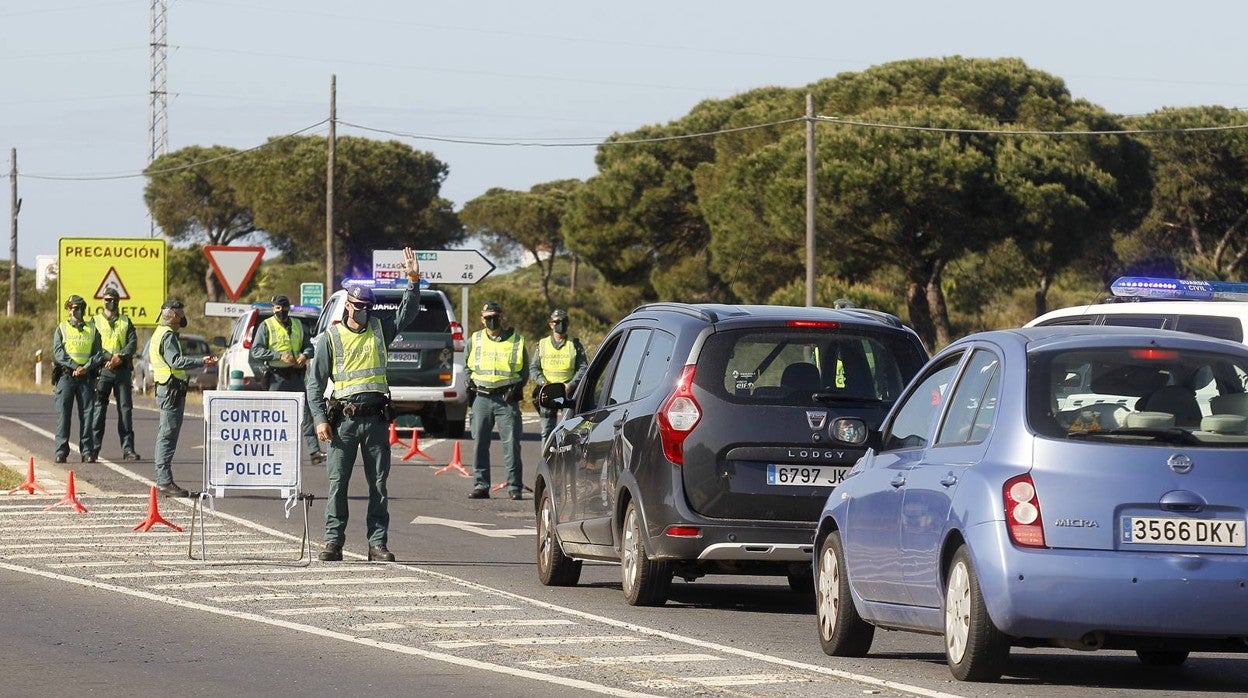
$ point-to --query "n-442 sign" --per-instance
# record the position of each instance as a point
(465, 267)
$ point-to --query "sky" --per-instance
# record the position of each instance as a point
(75, 77)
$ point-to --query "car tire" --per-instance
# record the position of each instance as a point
(974, 648)
(554, 569)
(646, 582)
(1162, 657)
(842, 632)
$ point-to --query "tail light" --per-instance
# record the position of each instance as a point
(1022, 512)
(457, 336)
(678, 415)
(250, 332)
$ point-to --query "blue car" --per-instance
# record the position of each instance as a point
(1078, 487)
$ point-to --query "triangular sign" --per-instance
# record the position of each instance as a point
(112, 280)
(233, 266)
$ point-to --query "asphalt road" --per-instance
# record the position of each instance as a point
(92, 606)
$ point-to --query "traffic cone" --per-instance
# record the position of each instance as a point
(456, 464)
(71, 497)
(501, 485)
(30, 485)
(415, 449)
(394, 433)
(153, 516)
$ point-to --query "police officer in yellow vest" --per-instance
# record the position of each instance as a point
(557, 360)
(168, 365)
(498, 368)
(282, 345)
(120, 342)
(76, 356)
(357, 416)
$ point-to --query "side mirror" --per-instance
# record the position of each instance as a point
(552, 396)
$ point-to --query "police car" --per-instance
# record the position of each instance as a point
(426, 364)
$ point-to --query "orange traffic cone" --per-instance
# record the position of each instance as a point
(30, 485)
(415, 449)
(456, 464)
(71, 497)
(501, 485)
(153, 516)
(394, 433)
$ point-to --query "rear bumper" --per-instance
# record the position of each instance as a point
(1060, 593)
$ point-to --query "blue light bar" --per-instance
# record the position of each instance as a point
(1178, 289)
(380, 283)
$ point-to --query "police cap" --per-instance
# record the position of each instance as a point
(74, 301)
(360, 295)
(112, 293)
(491, 308)
(281, 300)
(172, 304)
(558, 314)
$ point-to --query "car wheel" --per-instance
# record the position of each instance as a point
(1162, 657)
(802, 583)
(554, 569)
(455, 429)
(646, 582)
(842, 632)
(974, 648)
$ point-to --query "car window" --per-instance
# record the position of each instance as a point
(1212, 326)
(432, 318)
(627, 367)
(974, 401)
(596, 376)
(655, 363)
(1150, 321)
(915, 417)
(195, 347)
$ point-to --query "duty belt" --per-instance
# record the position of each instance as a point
(498, 390)
(358, 412)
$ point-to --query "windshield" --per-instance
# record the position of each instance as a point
(1139, 394)
(433, 316)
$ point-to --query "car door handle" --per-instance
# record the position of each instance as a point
(949, 480)
(898, 481)
(619, 423)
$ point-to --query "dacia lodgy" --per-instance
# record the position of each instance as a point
(704, 439)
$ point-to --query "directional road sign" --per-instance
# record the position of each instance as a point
(464, 267)
(312, 293)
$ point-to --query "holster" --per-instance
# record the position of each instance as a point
(334, 412)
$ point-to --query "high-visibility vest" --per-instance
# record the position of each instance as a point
(496, 363)
(112, 334)
(161, 370)
(359, 360)
(282, 340)
(558, 364)
(78, 341)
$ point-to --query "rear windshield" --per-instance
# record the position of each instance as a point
(807, 366)
(195, 347)
(433, 315)
(1139, 394)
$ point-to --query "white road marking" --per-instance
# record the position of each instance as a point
(365, 627)
(481, 529)
(514, 641)
(289, 583)
(654, 659)
(335, 635)
(721, 681)
(500, 623)
(312, 610)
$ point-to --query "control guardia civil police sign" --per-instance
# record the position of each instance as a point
(252, 441)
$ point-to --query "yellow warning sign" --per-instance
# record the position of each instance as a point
(134, 267)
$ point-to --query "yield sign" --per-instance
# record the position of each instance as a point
(233, 266)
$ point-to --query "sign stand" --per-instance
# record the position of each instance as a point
(252, 441)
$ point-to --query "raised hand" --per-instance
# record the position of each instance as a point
(413, 266)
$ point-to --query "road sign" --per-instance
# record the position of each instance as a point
(465, 267)
(233, 266)
(212, 309)
(134, 267)
(312, 294)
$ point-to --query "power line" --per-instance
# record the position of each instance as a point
(1028, 132)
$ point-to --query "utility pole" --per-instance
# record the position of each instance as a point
(158, 104)
(329, 187)
(810, 200)
(15, 206)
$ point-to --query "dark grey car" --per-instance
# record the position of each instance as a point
(704, 439)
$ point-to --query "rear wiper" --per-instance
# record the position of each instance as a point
(841, 397)
(1177, 436)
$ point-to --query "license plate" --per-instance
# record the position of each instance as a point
(1153, 530)
(407, 357)
(806, 475)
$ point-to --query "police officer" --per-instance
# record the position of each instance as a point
(168, 365)
(498, 368)
(283, 346)
(120, 342)
(76, 356)
(557, 360)
(357, 416)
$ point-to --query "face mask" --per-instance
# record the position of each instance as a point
(561, 327)
(282, 315)
(77, 312)
(182, 321)
(359, 315)
(492, 322)
(110, 305)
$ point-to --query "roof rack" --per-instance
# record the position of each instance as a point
(1153, 288)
